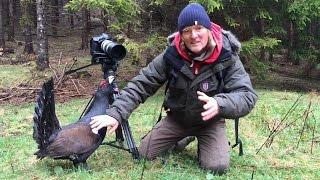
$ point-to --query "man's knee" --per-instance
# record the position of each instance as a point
(145, 152)
(146, 155)
(218, 168)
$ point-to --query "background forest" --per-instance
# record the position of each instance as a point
(268, 29)
(280, 50)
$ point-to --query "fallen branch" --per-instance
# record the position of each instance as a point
(62, 76)
(273, 133)
(8, 97)
(80, 84)
(28, 88)
(77, 95)
(4, 94)
(6, 50)
(307, 112)
(75, 86)
(54, 71)
(60, 80)
(313, 131)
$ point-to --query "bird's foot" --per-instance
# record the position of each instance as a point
(82, 166)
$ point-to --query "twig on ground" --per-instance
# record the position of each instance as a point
(307, 112)
(75, 86)
(77, 95)
(60, 80)
(54, 71)
(313, 131)
(60, 58)
(4, 94)
(273, 133)
(81, 84)
(31, 92)
(73, 63)
(27, 88)
(8, 97)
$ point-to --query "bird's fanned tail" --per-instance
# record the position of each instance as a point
(45, 119)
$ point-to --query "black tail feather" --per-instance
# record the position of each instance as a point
(45, 119)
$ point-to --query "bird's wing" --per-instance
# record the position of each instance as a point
(74, 139)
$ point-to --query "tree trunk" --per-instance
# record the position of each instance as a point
(85, 30)
(129, 30)
(311, 34)
(105, 19)
(34, 14)
(2, 42)
(262, 34)
(270, 56)
(17, 14)
(12, 18)
(28, 47)
(6, 15)
(71, 20)
(290, 45)
(42, 41)
(55, 17)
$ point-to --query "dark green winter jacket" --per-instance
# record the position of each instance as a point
(225, 80)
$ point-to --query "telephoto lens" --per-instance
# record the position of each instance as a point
(114, 50)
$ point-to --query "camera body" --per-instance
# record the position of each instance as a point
(105, 50)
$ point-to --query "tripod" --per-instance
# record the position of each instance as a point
(124, 128)
(109, 74)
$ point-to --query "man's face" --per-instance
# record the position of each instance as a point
(195, 38)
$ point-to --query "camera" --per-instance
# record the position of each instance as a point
(105, 50)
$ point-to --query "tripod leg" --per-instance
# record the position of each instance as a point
(119, 135)
(130, 141)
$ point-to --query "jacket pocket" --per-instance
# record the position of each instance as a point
(177, 93)
(210, 86)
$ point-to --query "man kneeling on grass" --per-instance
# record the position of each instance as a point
(207, 83)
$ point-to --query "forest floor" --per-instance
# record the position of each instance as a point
(64, 54)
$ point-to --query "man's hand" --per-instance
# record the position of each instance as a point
(211, 107)
(101, 121)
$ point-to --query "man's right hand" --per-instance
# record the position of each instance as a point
(101, 121)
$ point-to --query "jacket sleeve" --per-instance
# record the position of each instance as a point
(138, 89)
(238, 97)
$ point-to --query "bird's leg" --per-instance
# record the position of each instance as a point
(81, 165)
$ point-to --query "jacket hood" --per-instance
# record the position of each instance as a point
(230, 42)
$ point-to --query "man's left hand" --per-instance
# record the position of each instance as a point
(211, 107)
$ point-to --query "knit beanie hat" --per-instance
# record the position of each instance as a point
(193, 14)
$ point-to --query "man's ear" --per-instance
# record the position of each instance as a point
(182, 38)
(211, 41)
(209, 33)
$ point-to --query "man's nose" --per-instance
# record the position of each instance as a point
(194, 33)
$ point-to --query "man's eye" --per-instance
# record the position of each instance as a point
(186, 30)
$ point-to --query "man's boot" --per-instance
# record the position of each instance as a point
(183, 143)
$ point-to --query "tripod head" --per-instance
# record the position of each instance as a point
(106, 51)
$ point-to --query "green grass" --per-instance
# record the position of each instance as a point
(282, 160)
(9, 76)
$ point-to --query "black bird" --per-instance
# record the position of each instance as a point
(75, 141)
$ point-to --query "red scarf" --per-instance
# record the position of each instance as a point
(217, 37)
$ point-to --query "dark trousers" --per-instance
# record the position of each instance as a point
(213, 147)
